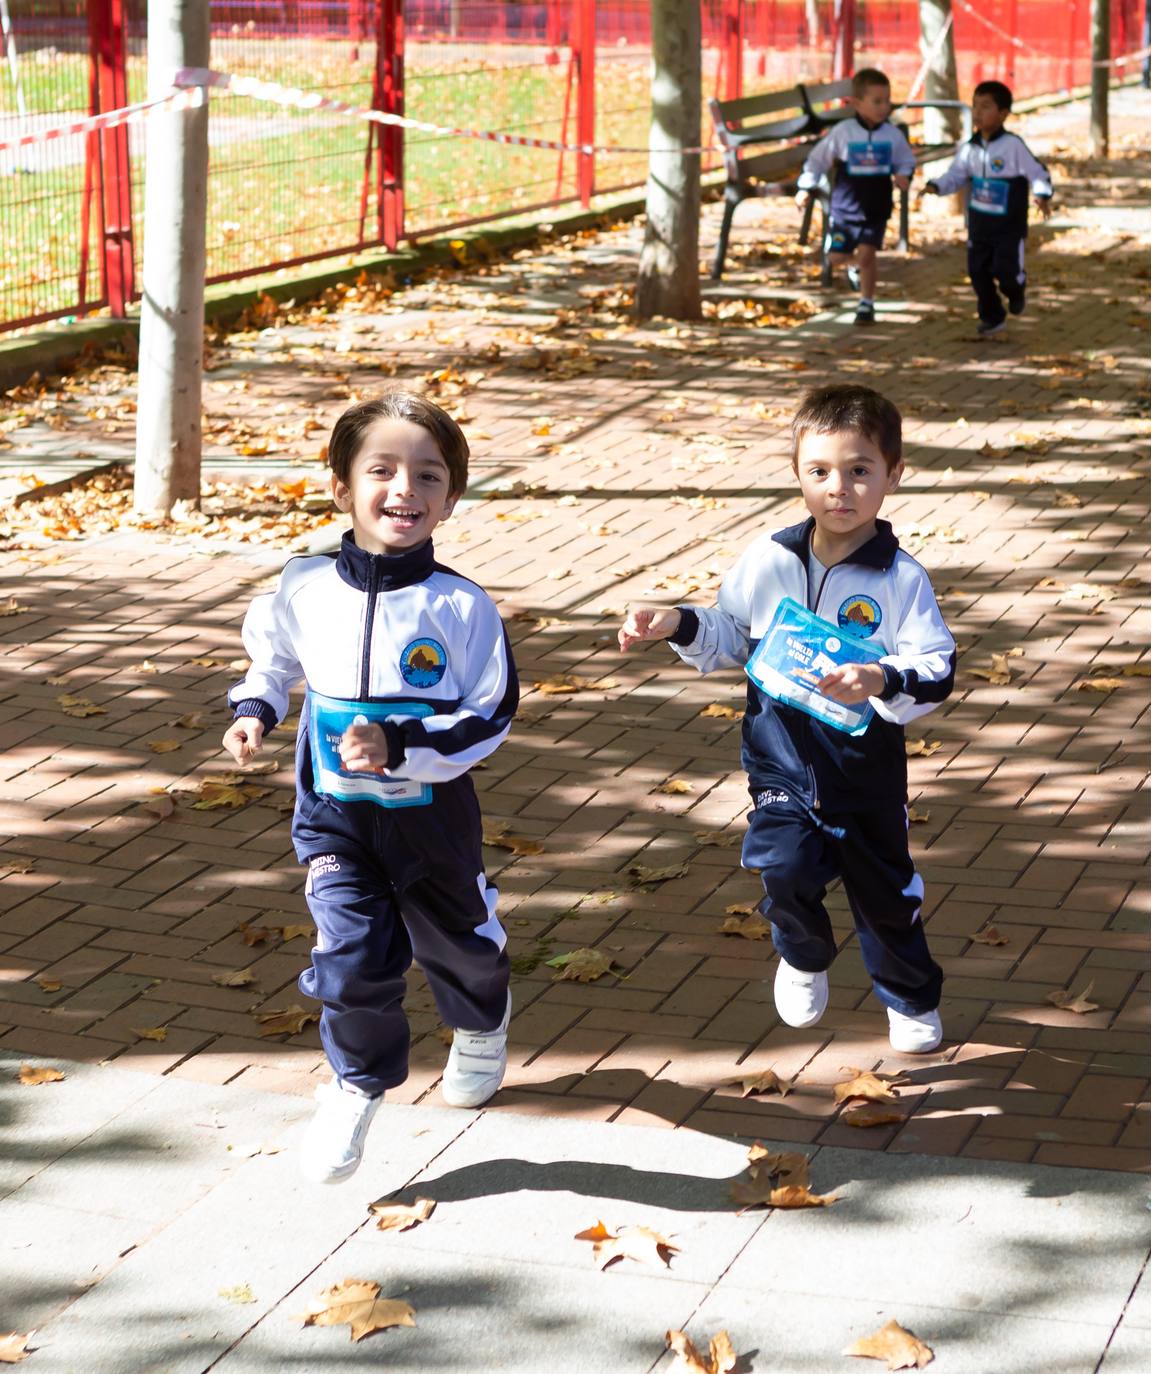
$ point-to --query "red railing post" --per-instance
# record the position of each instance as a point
(1013, 30)
(391, 174)
(733, 42)
(843, 39)
(583, 41)
(107, 53)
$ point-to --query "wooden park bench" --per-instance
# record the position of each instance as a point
(792, 120)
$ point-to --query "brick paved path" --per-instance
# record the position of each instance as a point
(1027, 497)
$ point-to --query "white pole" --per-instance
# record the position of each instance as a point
(168, 419)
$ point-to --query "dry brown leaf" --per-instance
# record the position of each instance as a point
(873, 1087)
(1066, 1000)
(675, 787)
(158, 1033)
(497, 837)
(999, 674)
(32, 1077)
(295, 932)
(918, 817)
(718, 839)
(240, 1294)
(638, 1243)
(399, 1216)
(1100, 684)
(79, 707)
(566, 684)
(580, 965)
(194, 720)
(216, 795)
(741, 909)
(236, 978)
(753, 927)
(990, 935)
(357, 1304)
(720, 1359)
(872, 1114)
(14, 1347)
(761, 1189)
(161, 807)
(896, 1345)
(16, 866)
(46, 984)
(643, 874)
(286, 1020)
(921, 748)
(163, 746)
(13, 607)
(207, 662)
(254, 935)
(249, 771)
(766, 1082)
(717, 711)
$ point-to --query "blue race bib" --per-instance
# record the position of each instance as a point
(328, 719)
(989, 195)
(869, 159)
(797, 652)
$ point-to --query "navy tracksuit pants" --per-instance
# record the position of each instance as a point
(798, 853)
(386, 887)
(996, 265)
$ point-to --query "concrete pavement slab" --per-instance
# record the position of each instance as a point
(1064, 1244)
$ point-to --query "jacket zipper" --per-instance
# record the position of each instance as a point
(369, 622)
(814, 609)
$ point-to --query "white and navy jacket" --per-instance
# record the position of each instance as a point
(386, 628)
(1004, 158)
(880, 591)
(864, 157)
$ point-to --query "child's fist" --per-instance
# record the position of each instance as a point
(902, 182)
(1043, 205)
(801, 198)
(243, 738)
(853, 683)
(364, 748)
(648, 622)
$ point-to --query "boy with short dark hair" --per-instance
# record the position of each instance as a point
(861, 157)
(828, 778)
(999, 172)
(410, 683)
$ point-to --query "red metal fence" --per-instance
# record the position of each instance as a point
(289, 186)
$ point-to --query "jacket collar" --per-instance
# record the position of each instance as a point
(385, 571)
(981, 142)
(867, 125)
(879, 551)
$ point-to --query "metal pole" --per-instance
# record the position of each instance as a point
(585, 27)
(168, 429)
(1100, 76)
(1147, 44)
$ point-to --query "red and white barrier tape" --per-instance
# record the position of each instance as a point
(1017, 42)
(112, 119)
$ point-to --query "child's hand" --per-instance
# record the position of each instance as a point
(902, 182)
(1043, 206)
(801, 199)
(364, 749)
(648, 622)
(243, 738)
(853, 683)
(930, 189)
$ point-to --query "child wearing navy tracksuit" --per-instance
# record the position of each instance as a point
(999, 173)
(861, 157)
(410, 682)
(827, 803)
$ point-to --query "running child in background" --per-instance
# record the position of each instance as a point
(1000, 174)
(410, 683)
(861, 157)
(828, 803)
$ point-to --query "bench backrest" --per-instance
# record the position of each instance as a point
(823, 93)
(747, 116)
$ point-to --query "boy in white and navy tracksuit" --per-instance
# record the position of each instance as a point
(410, 683)
(860, 157)
(1000, 174)
(829, 804)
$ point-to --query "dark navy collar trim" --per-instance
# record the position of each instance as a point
(391, 570)
(879, 551)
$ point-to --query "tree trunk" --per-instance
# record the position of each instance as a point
(168, 427)
(669, 264)
(939, 126)
(1100, 77)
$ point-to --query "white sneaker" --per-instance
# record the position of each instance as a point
(334, 1141)
(476, 1064)
(800, 998)
(915, 1034)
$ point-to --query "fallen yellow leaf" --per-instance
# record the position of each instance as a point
(716, 711)
(398, 1216)
(150, 1032)
(872, 1087)
(766, 1082)
(720, 1359)
(14, 1347)
(638, 1243)
(990, 935)
(580, 965)
(357, 1304)
(32, 1077)
(752, 927)
(163, 746)
(1066, 1000)
(896, 1345)
(237, 978)
(675, 787)
(286, 1020)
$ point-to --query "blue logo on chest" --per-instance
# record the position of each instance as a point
(860, 616)
(423, 663)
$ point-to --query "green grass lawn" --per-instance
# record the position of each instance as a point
(286, 184)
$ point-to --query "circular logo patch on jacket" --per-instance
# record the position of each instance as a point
(860, 616)
(423, 663)
(997, 164)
